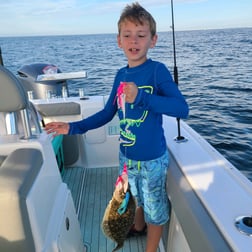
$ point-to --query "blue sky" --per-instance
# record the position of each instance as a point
(61, 17)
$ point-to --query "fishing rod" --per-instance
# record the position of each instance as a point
(175, 71)
(1, 58)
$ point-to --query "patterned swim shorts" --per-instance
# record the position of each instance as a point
(147, 181)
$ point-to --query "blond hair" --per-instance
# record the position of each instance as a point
(137, 14)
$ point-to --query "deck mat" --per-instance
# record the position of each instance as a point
(92, 189)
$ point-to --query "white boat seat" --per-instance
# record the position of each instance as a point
(17, 175)
(59, 109)
(13, 98)
(12, 95)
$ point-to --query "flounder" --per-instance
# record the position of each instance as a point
(119, 215)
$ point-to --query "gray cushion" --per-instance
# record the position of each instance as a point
(59, 109)
(12, 95)
(17, 175)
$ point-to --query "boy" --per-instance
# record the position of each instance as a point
(149, 92)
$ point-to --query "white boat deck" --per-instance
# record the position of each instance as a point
(91, 190)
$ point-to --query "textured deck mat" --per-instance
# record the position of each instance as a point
(92, 189)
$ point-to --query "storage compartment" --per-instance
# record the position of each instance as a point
(63, 232)
(69, 238)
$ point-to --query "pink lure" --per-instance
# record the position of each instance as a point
(121, 97)
(122, 180)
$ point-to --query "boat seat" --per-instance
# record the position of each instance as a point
(12, 95)
(14, 100)
(17, 175)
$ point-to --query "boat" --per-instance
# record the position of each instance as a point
(54, 190)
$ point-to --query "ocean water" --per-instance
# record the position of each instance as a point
(215, 76)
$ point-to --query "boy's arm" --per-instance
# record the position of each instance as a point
(168, 100)
(96, 120)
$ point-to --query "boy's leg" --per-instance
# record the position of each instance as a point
(156, 203)
(154, 232)
(153, 237)
(139, 219)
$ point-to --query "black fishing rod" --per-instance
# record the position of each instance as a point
(175, 70)
(1, 58)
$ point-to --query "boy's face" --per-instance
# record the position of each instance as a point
(135, 40)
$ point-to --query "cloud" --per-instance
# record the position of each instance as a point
(45, 17)
(29, 8)
(47, 8)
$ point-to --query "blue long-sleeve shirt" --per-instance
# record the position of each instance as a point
(141, 132)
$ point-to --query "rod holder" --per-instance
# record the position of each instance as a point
(244, 224)
(179, 138)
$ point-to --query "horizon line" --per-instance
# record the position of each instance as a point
(108, 33)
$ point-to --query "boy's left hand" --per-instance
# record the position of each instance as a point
(130, 90)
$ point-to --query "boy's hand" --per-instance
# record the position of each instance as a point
(130, 90)
(57, 128)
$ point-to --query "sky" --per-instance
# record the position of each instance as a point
(68, 17)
